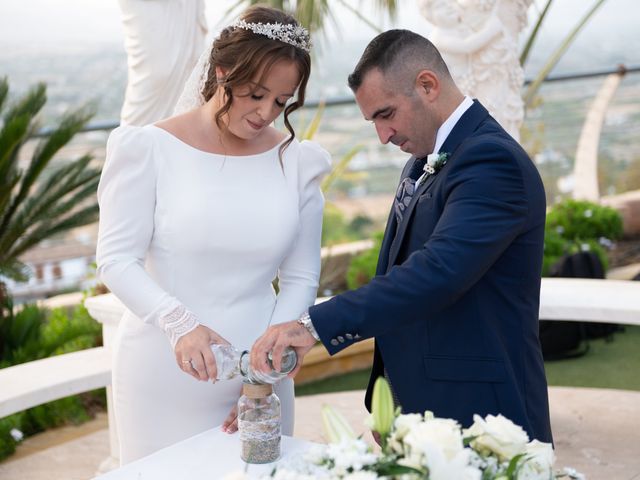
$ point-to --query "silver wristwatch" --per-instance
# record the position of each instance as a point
(305, 321)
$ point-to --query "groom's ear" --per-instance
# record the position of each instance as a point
(428, 84)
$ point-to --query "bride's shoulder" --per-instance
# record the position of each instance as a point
(313, 161)
(145, 133)
(128, 135)
(313, 152)
(130, 143)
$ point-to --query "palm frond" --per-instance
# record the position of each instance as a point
(232, 11)
(15, 270)
(18, 124)
(34, 206)
(30, 104)
(357, 13)
(313, 126)
(71, 124)
(38, 210)
(34, 232)
(4, 91)
(557, 54)
(6, 189)
(313, 13)
(12, 136)
(63, 181)
(48, 229)
(340, 168)
(388, 6)
(85, 189)
(534, 34)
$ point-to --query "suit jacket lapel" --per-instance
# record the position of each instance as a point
(462, 130)
(387, 241)
(397, 241)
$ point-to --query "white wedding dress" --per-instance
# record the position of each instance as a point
(180, 226)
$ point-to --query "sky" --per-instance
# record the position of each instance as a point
(49, 25)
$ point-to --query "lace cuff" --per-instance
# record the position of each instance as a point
(177, 323)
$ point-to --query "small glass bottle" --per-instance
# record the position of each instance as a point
(230, 362)
(259, 423)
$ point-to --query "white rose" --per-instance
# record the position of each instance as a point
(403, 424)
(350, 454)
(432, 159)
(497, 434)
(457, 467)
(538, 463)
(315, 454)
(443, 432)
(413, 460)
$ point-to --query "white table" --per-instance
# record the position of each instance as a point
(208, 456)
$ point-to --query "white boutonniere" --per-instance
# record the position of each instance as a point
(434, 163)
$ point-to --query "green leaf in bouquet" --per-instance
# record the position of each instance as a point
(514, 464)
(391, 468)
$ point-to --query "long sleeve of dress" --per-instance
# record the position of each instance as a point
(299, 272)
(127, 198)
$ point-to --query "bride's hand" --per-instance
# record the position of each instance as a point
(194, 355)
(230, 424)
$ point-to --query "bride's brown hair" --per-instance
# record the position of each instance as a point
(242, 54)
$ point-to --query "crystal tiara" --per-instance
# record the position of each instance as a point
(292, 34)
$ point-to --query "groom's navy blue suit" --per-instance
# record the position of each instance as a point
(454, 305)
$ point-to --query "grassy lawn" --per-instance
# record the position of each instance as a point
(610, 363)
(607, 364)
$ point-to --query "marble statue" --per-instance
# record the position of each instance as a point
(163, 40)
(479, 41)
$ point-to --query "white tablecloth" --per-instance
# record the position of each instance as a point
(208, 456)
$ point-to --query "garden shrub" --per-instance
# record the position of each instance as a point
(362, 267)
(573, 226)
(32, 333)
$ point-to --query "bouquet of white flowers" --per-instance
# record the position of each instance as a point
(415, 446)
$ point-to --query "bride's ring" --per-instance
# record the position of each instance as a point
(186, 362)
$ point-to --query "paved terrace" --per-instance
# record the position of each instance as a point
(596, 431)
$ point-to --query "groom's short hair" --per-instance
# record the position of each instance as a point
(400, 53)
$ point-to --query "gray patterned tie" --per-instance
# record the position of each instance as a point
(407, 188)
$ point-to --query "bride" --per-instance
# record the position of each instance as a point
(198, 214)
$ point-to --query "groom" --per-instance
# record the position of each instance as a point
(454, 304)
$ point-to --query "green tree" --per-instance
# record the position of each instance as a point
(36, 203)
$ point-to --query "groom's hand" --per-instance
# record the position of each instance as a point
(276, 339)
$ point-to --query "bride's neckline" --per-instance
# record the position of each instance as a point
(191, 147)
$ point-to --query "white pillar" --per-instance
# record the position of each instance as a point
(107, 310)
